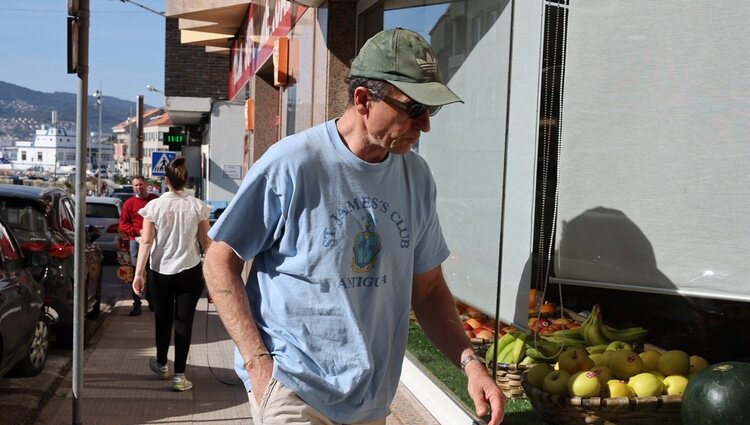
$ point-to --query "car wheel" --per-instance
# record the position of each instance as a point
(36, 356)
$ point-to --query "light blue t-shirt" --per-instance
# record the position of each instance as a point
(336, 242)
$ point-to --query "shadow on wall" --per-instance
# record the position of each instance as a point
(604, 245)
(224, 182)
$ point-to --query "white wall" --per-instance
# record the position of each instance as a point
(225, 150)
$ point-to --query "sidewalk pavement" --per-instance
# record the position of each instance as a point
(119, 388)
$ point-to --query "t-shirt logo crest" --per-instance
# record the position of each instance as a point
(428, 64)
(366, 248)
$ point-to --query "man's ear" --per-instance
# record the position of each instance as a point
(361, 99)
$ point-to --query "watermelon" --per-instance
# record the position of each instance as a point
(719, 394)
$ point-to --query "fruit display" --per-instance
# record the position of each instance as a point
(718, 394)
(625, 373)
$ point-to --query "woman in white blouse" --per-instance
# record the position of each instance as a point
(174, 225)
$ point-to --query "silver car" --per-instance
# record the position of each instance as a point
(104, 213)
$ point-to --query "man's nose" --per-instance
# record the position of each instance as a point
(422, 122)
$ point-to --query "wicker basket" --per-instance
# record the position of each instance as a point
(508, 378)
(564, 410)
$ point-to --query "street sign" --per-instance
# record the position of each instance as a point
(159, 161)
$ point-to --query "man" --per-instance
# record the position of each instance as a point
(342, 225)
(131, 224)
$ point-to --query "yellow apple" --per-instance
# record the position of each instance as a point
(645, 385)
(697, 363)
(556, 382)
(584, 384)
(625, 364)
(619, 388)
(536, 374)
(675, 384)
(674, 362)
(650, 360)
(605, 359)
(574, 359)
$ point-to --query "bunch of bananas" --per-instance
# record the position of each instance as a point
(510, 348)
(595, 332)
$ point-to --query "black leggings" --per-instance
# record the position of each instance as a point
(175, 297)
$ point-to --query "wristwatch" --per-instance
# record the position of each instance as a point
(468, 359)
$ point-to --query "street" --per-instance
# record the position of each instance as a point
(21, 399)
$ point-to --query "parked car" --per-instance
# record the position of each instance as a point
(122, 196)
(42, 220)
(104, 213)
(24, 336)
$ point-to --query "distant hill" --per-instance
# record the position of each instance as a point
(22, 110)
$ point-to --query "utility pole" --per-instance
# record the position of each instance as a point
(139, 137)
(78, 20)
(98, 96)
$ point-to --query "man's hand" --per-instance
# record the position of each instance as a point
(483, 389)
(260, 370)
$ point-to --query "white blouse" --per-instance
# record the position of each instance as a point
(176, 216)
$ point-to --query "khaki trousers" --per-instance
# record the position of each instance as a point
(280, 406)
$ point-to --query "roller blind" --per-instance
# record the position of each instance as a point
(654, 192)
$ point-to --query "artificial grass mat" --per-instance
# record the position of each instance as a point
(517, 411)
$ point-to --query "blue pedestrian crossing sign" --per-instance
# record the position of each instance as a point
(159, 161)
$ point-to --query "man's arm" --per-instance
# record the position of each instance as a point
(434, 308)
(222, 270)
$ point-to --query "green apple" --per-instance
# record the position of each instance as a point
(658, 374)
(556, 382)
(674, 362)
(596, 349)
(625, 364)
(619, 388)
(536, 374)
(650, 360)
(618, 345)
(596, 358)
(604, 374)
(574, 359)
(645, 385)
(584, 384)
(675, 384)
(697, 363)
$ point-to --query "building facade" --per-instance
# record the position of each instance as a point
(653, 112)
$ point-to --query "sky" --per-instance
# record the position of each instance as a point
(126, 49)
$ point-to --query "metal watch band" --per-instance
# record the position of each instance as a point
(468, 359)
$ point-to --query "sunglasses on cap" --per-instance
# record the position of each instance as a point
(413, 109)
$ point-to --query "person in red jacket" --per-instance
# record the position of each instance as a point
(131, 224)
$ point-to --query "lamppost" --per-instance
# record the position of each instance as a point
(98, 96)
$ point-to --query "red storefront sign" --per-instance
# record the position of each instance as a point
(254, 42)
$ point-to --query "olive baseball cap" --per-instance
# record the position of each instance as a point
(403, 58)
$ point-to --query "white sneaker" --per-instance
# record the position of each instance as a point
(180, 383)
(160, 371)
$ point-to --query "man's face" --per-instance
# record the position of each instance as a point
(140, 188)
(390, 130)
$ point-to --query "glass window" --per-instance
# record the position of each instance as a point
(102, 210)
(66, 214)
(465, 146)
(23, 155)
